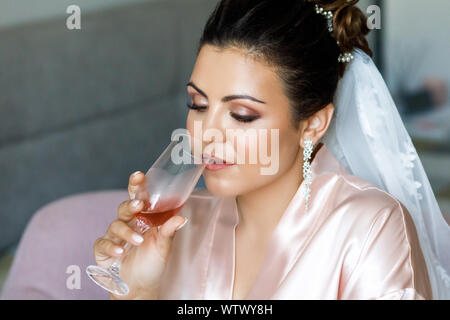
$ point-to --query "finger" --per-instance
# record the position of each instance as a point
(168, 229)
(136, 180)
(104, 249)
(166, 233)
(128, 209)
(120, 230)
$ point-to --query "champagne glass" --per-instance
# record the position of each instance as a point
(168, 184)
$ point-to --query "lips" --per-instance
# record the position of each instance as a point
(213, 163)
(213, 159)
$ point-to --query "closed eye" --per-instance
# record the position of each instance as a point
(244, 118)
(237, 117)
(193, 106)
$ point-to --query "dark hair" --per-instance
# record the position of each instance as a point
(291, 37)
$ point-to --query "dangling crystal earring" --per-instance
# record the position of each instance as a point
(307, 150)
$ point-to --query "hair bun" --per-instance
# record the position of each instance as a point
(349, 24)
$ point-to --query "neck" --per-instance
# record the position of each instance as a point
(260, 210)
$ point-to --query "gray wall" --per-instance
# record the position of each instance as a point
(80, 110)
(15, 12)
(417, 41)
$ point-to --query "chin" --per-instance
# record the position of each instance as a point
(222, 186)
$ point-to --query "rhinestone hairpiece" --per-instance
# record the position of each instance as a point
(326, 14)
(343, 57)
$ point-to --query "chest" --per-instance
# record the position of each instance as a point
(249, 257)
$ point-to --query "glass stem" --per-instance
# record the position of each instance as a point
(139, 226)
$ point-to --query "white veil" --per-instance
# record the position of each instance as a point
(369, 139)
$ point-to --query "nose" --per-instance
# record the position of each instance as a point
(212, 128)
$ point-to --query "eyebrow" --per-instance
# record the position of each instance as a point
(226, 98)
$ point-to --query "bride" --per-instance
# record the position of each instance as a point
(349, 212)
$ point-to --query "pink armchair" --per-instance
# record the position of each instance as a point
(60, 235)
(59, 239)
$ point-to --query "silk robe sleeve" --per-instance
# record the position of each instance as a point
(390, 264)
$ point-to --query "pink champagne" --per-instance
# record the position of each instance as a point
(163, 211)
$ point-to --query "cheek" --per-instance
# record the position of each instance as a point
(268, 147)
(236, 180)
(190, 123)
(274, 151)
(194, 126)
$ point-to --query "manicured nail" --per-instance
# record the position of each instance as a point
(119, 250)
(135, 173)
(137, 238)
(182, 225)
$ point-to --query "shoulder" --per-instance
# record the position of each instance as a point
(365, 202)
(373, 218)
(385, 239)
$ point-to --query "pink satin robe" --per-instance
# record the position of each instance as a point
(355, 242)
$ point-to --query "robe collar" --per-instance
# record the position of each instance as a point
(285, 245)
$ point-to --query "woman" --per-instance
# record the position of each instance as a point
(311, 229)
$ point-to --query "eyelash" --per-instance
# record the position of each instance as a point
(235, 116)
(195, 107)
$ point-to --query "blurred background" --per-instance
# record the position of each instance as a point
(82, 109)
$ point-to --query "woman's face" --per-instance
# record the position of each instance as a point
(243, 117)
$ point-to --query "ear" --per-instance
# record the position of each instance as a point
(315, 127)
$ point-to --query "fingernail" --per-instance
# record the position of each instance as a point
(182, 225)
(137, 238)
(135, 173)
(118, 250)
(135, 203)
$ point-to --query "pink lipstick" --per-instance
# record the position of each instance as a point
(214, 163)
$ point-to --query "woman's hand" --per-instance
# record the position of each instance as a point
(143, 265)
